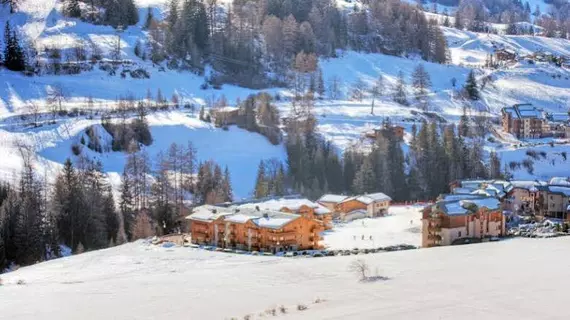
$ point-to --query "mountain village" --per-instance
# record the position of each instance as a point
(294, 159)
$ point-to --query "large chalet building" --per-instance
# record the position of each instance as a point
(454, 220)
(545, 199)
(304, 207)
(348, 208)
(524, 121)
(254, 229)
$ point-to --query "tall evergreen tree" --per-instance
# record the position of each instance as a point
(72, 9)
(471, 87)
(400, 95)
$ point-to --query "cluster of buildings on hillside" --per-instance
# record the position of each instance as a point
(525, 121)
(276, 225)
(508, 56)
(478, 209)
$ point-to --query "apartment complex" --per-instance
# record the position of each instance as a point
(254, 229)
(304, 207)
(460, 217)
(357, 207)
(524, 121)
(546, 199)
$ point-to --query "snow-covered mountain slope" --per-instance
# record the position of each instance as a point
(342, 121)
(53, 144)
(513, 279)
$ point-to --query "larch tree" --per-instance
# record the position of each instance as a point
(421, 82)
(400, 96)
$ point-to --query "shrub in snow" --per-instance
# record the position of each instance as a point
(360, 268)
(21, 282)
(76, 149)
(302, 307)
(272, 311)
(283, 309)
(247, 317)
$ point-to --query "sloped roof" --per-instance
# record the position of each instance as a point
(292, 204)
(208, 213)
(523, 111)
(370, 198)
(456, 197)
(460, 207)
(528, 184)
(561, 190)
(262, 218)
(333, 198)
(559, 181)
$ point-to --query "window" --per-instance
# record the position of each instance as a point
(459, 233)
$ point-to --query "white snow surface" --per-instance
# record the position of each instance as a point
(402, 225)
(137, 281)
(232, 148)
(341, 121)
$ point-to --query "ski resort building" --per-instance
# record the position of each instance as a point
(397, 131)
(505, 55)
(357, 207)
(254, 229)
(302, 206)
(523, 121)
(554, 201)
(461, 218)
(525, 197)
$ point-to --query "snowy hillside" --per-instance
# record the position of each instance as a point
(137, 281)
(341, 121)
(53, 146)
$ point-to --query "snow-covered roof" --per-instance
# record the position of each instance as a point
(562, 190)
(274, 220)
(560, 117)
(559, 181)
(332, 198)
(496, 188)
(528, 184)
(523, 111)
(262, 218)
(291, 204)
(456, 197)
(208, 213)
(463, 190)
(370, 198)
(461, 207)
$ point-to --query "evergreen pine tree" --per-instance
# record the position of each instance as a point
(365, 178)
(261, 189)
(421, 82)
(471, 86)
(72, 9)
(400, 95)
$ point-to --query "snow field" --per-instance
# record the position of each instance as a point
(138, 281)
(402, 225)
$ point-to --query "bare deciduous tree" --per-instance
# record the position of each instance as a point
(360, 268)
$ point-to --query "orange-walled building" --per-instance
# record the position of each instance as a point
(254, 229)
(304, 207)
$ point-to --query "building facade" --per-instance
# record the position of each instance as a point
(524, 121)
(357, 207)
(302, 206)
(254, 230)
(454, 221)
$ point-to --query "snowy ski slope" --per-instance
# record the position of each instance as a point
(522, 279)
